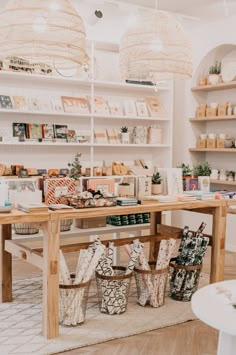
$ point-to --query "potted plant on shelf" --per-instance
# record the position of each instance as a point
(124, 135)
(203, 171)
(124, 189)
(230, 175)
(156, 184)
(214, 73)
(186, 174)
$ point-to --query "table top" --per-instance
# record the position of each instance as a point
(18, 216)
(212, 304)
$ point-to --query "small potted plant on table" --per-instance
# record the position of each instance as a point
(186, 174)
(203, 171)
(124, 189)
(124, 135)
(214, 73)
(156, 184)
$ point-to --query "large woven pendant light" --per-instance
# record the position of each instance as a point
(156, 48)
(48, 31)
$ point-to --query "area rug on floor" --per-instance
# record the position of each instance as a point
(21, 321)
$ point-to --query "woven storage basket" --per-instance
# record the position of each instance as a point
(113, 291)
(25, 228)
(184, 280)
(151, 285)
(73, 303)
(65, 224)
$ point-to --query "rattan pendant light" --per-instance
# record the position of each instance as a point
(156, 48)
(50, 31)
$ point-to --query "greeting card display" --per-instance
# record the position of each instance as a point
(75, 104)
(130, 109)
(142, 108)
(20, 103)
(34, 130)
(154, 106)
(34, 104)
(60, 131)
(48, 131)
(55, 189)
(5, 102)
(115, 108)
(71, 136)
(19, 129)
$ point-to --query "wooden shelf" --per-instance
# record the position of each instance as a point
(220, 86)
(213, 118)
(214, 150)
(223, 182)
(132, 145)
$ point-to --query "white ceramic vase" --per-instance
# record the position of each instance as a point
(213, 79)
(125, 137)
(156, 189)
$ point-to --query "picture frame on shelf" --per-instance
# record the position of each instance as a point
(106, 185)
(141, 107)
(130, 108)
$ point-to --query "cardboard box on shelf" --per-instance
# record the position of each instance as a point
(201, 143)
(86, 223)
(211, 143)
(220, 143)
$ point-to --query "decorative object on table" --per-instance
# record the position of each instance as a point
(156, 183)
(186, 175)
(154, 135)
(203, 171)
(142, 108)
(144, 186)
(42, 37)
(139, 135)
(155, 48)
(124, 135)
(151, 277)
(91, 198)
(186, 268)
(55, 189)
(174, 181)
(214, 73)
(75, 104)
(75, 167)
(113, 282)
(124, 189)
(74, 292)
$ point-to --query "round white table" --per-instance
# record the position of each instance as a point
(213, 304)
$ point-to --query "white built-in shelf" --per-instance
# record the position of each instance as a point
(57, 144)
(217, 87)
(81, 115)
(213, 119)
(223, 182)
(102, 84)
(132, 145)
(213, 150)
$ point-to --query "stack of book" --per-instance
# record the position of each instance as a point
(32, 207)
(126, 201)
(186, 197)
(201, 195)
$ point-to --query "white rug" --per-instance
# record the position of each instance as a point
(21, 321)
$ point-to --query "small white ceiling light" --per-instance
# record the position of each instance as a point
(95, 17)
(156, 48)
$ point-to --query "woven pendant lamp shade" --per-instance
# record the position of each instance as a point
(156, 48)
(48, 31)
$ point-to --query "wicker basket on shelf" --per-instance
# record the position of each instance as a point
(25, 228)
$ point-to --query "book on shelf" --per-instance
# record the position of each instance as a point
(20, 103)
(60, 131)
(112, 136)
(71, 136)
(56, 104)
(34, 130)
(155, 107)
(130, 108)
(32, 207)
(19, 129)
(100, 105)
(141, 107)
(6, 102)
(115, 108)
(48, 131)
(75, 104)
(34, 104)
(100, 136)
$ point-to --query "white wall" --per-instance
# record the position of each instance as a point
(204, 39)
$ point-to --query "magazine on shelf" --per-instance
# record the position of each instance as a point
(48, 131)
(6, 102)
(75, 104)
(19, 129)
(34, 130)
(60, 131)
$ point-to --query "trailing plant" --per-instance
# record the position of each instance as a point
(202, 169)
(124, 129)
(186, 170)
(215, 69)
(156, 178)
(75, 167)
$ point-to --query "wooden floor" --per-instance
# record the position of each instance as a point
(191, 338)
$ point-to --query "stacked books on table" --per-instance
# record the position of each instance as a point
(186, 197)
(202, 195)
(161, 198)
(126, 201)
(32, 207)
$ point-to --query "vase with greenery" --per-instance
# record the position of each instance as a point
(75, 167)
(124, 135)
(203, 171)
(214, 73)
(156, 183)
(187, 172)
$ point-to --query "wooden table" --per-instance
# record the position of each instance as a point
(47, 261)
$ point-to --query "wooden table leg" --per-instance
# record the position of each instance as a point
(5, 266)
(218, 244)
(154, 246)
(51, 244)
